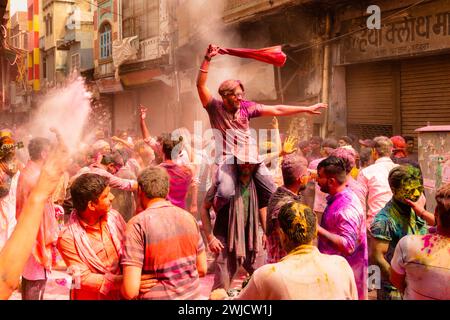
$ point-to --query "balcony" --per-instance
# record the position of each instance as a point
(236, 10)
(42, 43)
(79, 28)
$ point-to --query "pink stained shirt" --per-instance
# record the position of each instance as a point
(358, 190)
(180, 180)
(40, 261)
(344, 216)
(320, 198)
(113, 181)
(375, 186)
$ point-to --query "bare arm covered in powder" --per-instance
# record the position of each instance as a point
(285, 110)
(203, 91)
(18, 248)
(213, 243)
(146, 134)
(378, 248)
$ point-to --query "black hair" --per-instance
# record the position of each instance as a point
(36, 146)
(154, 182)
(85, 188)
(298, 222)
(168, 144)
(334, 167)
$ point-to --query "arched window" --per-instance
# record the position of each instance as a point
(105, 41)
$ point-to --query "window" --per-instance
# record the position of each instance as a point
(44, 68)
(48, 25)
(141, 18)
(76, 63)
(105, 41)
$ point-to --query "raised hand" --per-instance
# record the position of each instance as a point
(274, 123)
(147, 282)
(57, 134)
(316, 109)
(215, 245)
(143, 111)
(212, 51)
(289, 145)
(418, 207)
(53, 169)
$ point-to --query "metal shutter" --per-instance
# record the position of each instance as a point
(425, 92)
(370, 99)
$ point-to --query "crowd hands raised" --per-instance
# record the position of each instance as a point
(141, 215)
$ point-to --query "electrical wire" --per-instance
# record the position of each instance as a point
(358, 30)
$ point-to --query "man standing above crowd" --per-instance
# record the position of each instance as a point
(343, 228)
(396, 220)
(230, 117)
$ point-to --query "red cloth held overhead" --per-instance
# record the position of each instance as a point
(272, 55)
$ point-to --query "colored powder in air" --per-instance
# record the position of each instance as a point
(65, 109)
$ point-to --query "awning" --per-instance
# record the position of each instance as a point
(141, 77)
(109, 85)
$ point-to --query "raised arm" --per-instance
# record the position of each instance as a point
(144, 129)
(203, 91)
(285, 110)
(18, 248)
(124, 142)
(157, 148)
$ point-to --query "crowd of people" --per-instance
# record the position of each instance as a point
(137, 218)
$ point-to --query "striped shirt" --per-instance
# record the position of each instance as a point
(165, 241)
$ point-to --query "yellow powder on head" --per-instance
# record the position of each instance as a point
(300, 218)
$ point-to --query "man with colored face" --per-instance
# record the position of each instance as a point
(396, 220)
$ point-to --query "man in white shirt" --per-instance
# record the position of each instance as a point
(420, 268)
(374, 178)
(305, 273)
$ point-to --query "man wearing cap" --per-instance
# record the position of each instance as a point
(229, 118)
(400, 153)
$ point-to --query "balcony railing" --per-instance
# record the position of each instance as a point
(241, 9)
